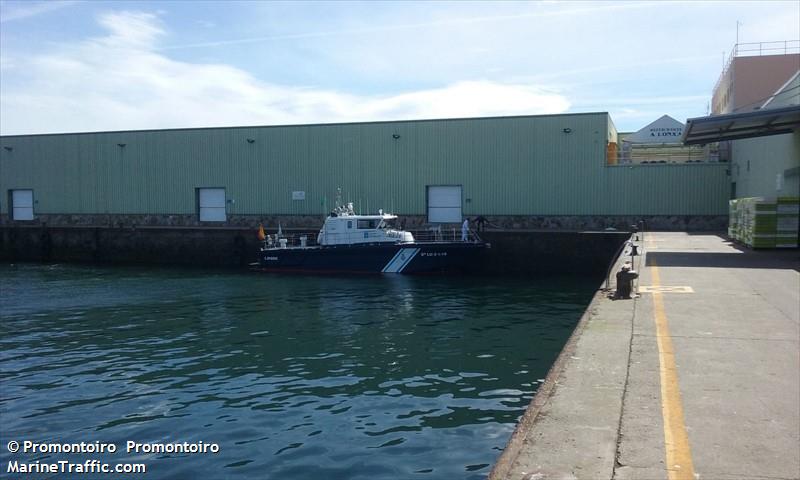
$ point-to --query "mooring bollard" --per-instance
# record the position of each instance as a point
(625, 279)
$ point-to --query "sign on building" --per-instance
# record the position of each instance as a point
(664, 130)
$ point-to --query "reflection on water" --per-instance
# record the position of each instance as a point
(294, 376)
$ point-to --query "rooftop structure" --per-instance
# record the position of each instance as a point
(752, 73)
(756, 120)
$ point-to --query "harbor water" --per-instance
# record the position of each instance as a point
(294, 377)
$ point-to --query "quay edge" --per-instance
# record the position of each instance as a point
(516, 444)
(726, 387)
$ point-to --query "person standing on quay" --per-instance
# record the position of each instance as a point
(464, 229)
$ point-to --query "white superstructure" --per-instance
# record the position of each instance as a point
(345, 227)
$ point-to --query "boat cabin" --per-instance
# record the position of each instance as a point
(344, 227)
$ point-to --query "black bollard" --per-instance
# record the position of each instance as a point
(625, 279)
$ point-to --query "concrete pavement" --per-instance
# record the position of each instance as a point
(698, 377)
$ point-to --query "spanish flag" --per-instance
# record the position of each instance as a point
(261, 235)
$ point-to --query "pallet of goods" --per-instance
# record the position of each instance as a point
(765, 223)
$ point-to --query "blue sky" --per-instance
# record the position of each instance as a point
(112, 65)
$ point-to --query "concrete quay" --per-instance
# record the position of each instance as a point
(698, 377)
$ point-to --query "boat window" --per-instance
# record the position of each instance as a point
(349, 224)
(387, 224)
(367, 224)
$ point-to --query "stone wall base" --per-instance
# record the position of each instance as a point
(411, 222)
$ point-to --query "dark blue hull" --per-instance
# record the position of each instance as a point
(408, 258)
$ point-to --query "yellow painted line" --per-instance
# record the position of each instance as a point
(676, 440)
(665, 289)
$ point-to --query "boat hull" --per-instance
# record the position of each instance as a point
(406, 258)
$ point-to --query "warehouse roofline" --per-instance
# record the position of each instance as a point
(377, 122)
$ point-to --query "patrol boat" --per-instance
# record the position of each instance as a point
(353, 243)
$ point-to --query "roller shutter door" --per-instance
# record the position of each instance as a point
(211, 202)
(22, 204)
(444, 204)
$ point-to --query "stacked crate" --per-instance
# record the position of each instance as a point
(787, 220)
(759, 223)
(765, 223)
(733, 219)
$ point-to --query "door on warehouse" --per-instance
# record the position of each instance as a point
(444, 203)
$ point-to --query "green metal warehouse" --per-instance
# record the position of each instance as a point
(524, 172)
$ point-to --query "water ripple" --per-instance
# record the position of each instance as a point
(297, 376)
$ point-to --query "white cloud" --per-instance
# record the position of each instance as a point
(131, 29)
(467, 99)
(31, 9)
(121, 81)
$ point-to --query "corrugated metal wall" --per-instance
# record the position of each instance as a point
(507, 166)
(767, 166)
(666, 189)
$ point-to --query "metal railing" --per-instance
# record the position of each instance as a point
(637, 235)
(637, 153)
(614, 260)
(757, 49)
(444, 235)
(291, 240)
(428, 235)
(693, 157)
